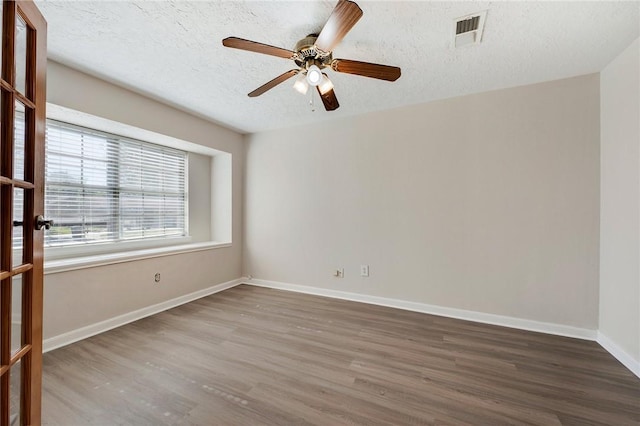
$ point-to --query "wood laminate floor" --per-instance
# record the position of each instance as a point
(252, 356)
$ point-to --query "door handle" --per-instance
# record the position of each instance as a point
(42, 223)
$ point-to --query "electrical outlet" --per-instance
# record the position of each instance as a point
(364, 270)
(157, 277)
(339, 273)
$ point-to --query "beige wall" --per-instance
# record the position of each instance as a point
(620, 202)
(487, 203)
(200, 197)
(84, 297)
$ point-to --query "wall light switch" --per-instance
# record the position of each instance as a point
(364, 270)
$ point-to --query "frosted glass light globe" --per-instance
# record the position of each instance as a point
(314, 76)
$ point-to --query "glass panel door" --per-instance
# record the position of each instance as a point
(22, 124)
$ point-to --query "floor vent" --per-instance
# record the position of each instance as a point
(469, 29)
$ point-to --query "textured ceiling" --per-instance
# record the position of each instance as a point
(172, 51)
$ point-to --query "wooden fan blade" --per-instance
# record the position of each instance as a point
(329, 100)
(342, 19)
(273, 83)
(254, 46)
(366, 69)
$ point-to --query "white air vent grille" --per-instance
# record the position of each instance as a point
(468, 29)
(467, 25)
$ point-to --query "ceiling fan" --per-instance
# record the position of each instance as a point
(314, 53)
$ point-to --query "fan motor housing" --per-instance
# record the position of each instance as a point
(307, 53)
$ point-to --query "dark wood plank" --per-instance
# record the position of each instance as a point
(344, 16)
(366, 69)
(273, 83)
(254, 46)
(329, 99)
(251, 355)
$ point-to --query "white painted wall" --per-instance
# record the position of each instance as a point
(486, 203)
(83, 297)
(620, 206)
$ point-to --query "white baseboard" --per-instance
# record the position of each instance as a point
(505, 321)
(625, 359)
(100, 327)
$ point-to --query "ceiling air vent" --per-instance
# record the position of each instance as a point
(467, 25)
(468, 29)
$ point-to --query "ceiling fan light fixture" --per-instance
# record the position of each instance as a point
(314, 75)
(301, 84)
(314, 53)
(326, 85)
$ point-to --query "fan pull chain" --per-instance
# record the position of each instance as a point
(311, 104)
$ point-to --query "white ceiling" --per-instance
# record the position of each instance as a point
(172, 51)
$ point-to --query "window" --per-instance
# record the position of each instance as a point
(103, 188)
(117, 192)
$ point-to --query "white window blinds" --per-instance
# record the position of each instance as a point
(105, 188)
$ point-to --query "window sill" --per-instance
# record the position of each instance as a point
(72, 264)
